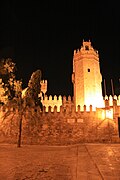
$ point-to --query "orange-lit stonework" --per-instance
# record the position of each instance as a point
(85, 117)
(86, 77)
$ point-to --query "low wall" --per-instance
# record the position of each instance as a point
(58, 128)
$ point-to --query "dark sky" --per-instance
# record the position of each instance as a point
(43, 34)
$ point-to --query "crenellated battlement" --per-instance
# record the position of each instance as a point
(66, 112)
(52, 98)
(68, 102)
(111, 100)
(59, 101)
(56, 102)
(52, 101)
(86, 51)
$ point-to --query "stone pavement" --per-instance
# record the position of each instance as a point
(75, 162)
(99, 161)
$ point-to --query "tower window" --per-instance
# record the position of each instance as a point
(86, 47)
(88, 70)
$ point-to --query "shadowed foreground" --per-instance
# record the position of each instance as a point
(78, 162)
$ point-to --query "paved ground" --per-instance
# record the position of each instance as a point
(78, 162)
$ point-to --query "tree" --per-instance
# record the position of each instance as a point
(7, 74)
(31, 98)
(3, 96)
(12, 89)
(33, 90)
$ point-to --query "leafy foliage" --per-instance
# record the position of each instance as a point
(11, 95)
(3, 97)
(7, 74)
(34, 89)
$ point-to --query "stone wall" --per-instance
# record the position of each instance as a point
(69, 101)
(59, 128)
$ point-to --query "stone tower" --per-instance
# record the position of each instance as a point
(86, 77)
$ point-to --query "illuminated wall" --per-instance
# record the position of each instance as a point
(86, 77)
(52, 102)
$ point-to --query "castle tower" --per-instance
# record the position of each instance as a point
(86, 77)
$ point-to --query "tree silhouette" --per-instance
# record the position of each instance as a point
(7, 74)
(34, 89)
(31, 98)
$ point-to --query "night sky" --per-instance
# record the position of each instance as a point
(43, 35)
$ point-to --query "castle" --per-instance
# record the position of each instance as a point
(85, 117)
(87, 83)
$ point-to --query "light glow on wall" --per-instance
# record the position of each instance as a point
(95, 101)
(103, 115)
(109, 113)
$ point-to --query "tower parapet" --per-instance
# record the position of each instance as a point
(86, 51)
